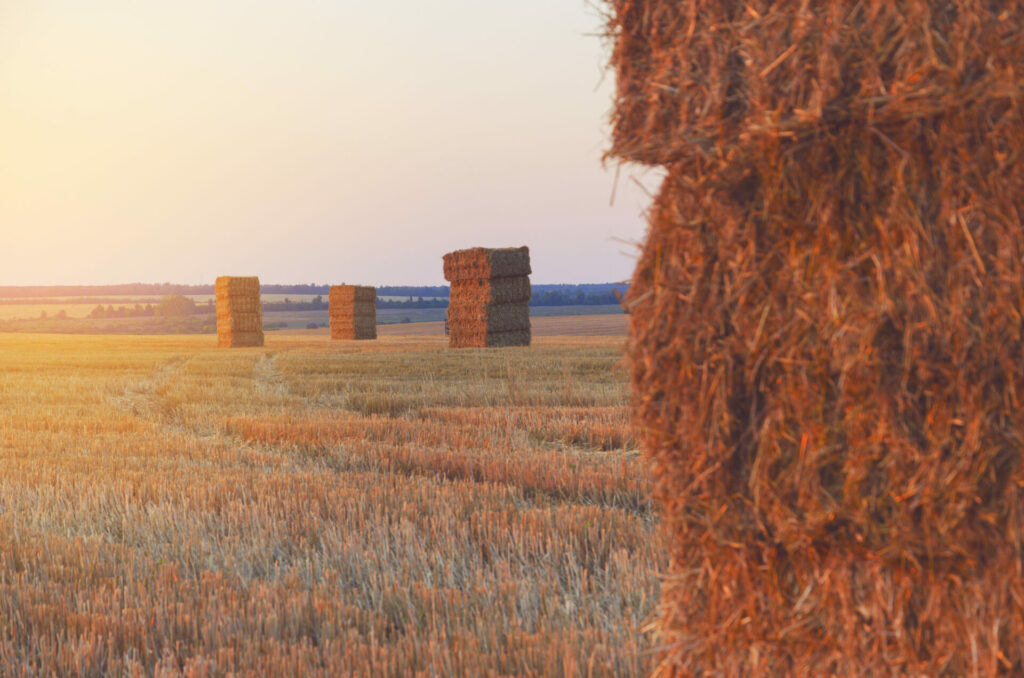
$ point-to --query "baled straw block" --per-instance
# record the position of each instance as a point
(239, 313)
(350, 311)
(826, 337)
(352, 294)
(490, 318)
(239, 339)
(242, 286)
(241, 322)
(350, 331)
(353, 312)
(489, 291)
(239, 304)
(492, 290)
(481, 263)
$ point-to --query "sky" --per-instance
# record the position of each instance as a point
(321, 141)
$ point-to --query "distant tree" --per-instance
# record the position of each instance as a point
(62, 314)
(175, 306)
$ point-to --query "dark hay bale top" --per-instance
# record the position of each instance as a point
(343, 295)
(483, 263)
(827, 343)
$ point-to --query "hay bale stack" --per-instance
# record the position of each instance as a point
(353, 311)
(490, 291)
(239, 313)
(826, 330)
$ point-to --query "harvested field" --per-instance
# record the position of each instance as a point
(315, 508)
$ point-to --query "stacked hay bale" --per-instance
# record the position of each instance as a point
(827, 330)
(490, 291)
(353, 311)
(239, 314)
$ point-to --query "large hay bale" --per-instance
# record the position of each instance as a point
(826, 330)
(239, 313)
(353, 312)
(488, 298)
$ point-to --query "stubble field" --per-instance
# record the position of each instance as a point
(374, 508)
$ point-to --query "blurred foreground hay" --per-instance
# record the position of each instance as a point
(827, 330)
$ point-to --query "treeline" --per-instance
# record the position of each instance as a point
(139, 290)
(318, 303)
(395, 296)
(161, 289)
(129, 289)
(414, 302)
(577, 295)
(543, 295)
(171, 306)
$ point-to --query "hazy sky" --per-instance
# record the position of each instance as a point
(305, 141)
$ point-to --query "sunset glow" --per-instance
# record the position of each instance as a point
(313, 141)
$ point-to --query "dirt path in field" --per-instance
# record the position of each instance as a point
(268, 376)
(144, 398)
(607, 325)
(140, 398)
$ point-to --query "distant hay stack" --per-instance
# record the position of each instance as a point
(827, 330)
(239, 314)
(488, 302)
(353, 311)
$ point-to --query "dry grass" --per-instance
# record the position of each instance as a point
(317, 508)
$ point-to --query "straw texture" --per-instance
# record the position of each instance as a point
(239, 313)
(481, 263)
(826, 330)
(353, 312)
(488, 299)
(492, 290)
